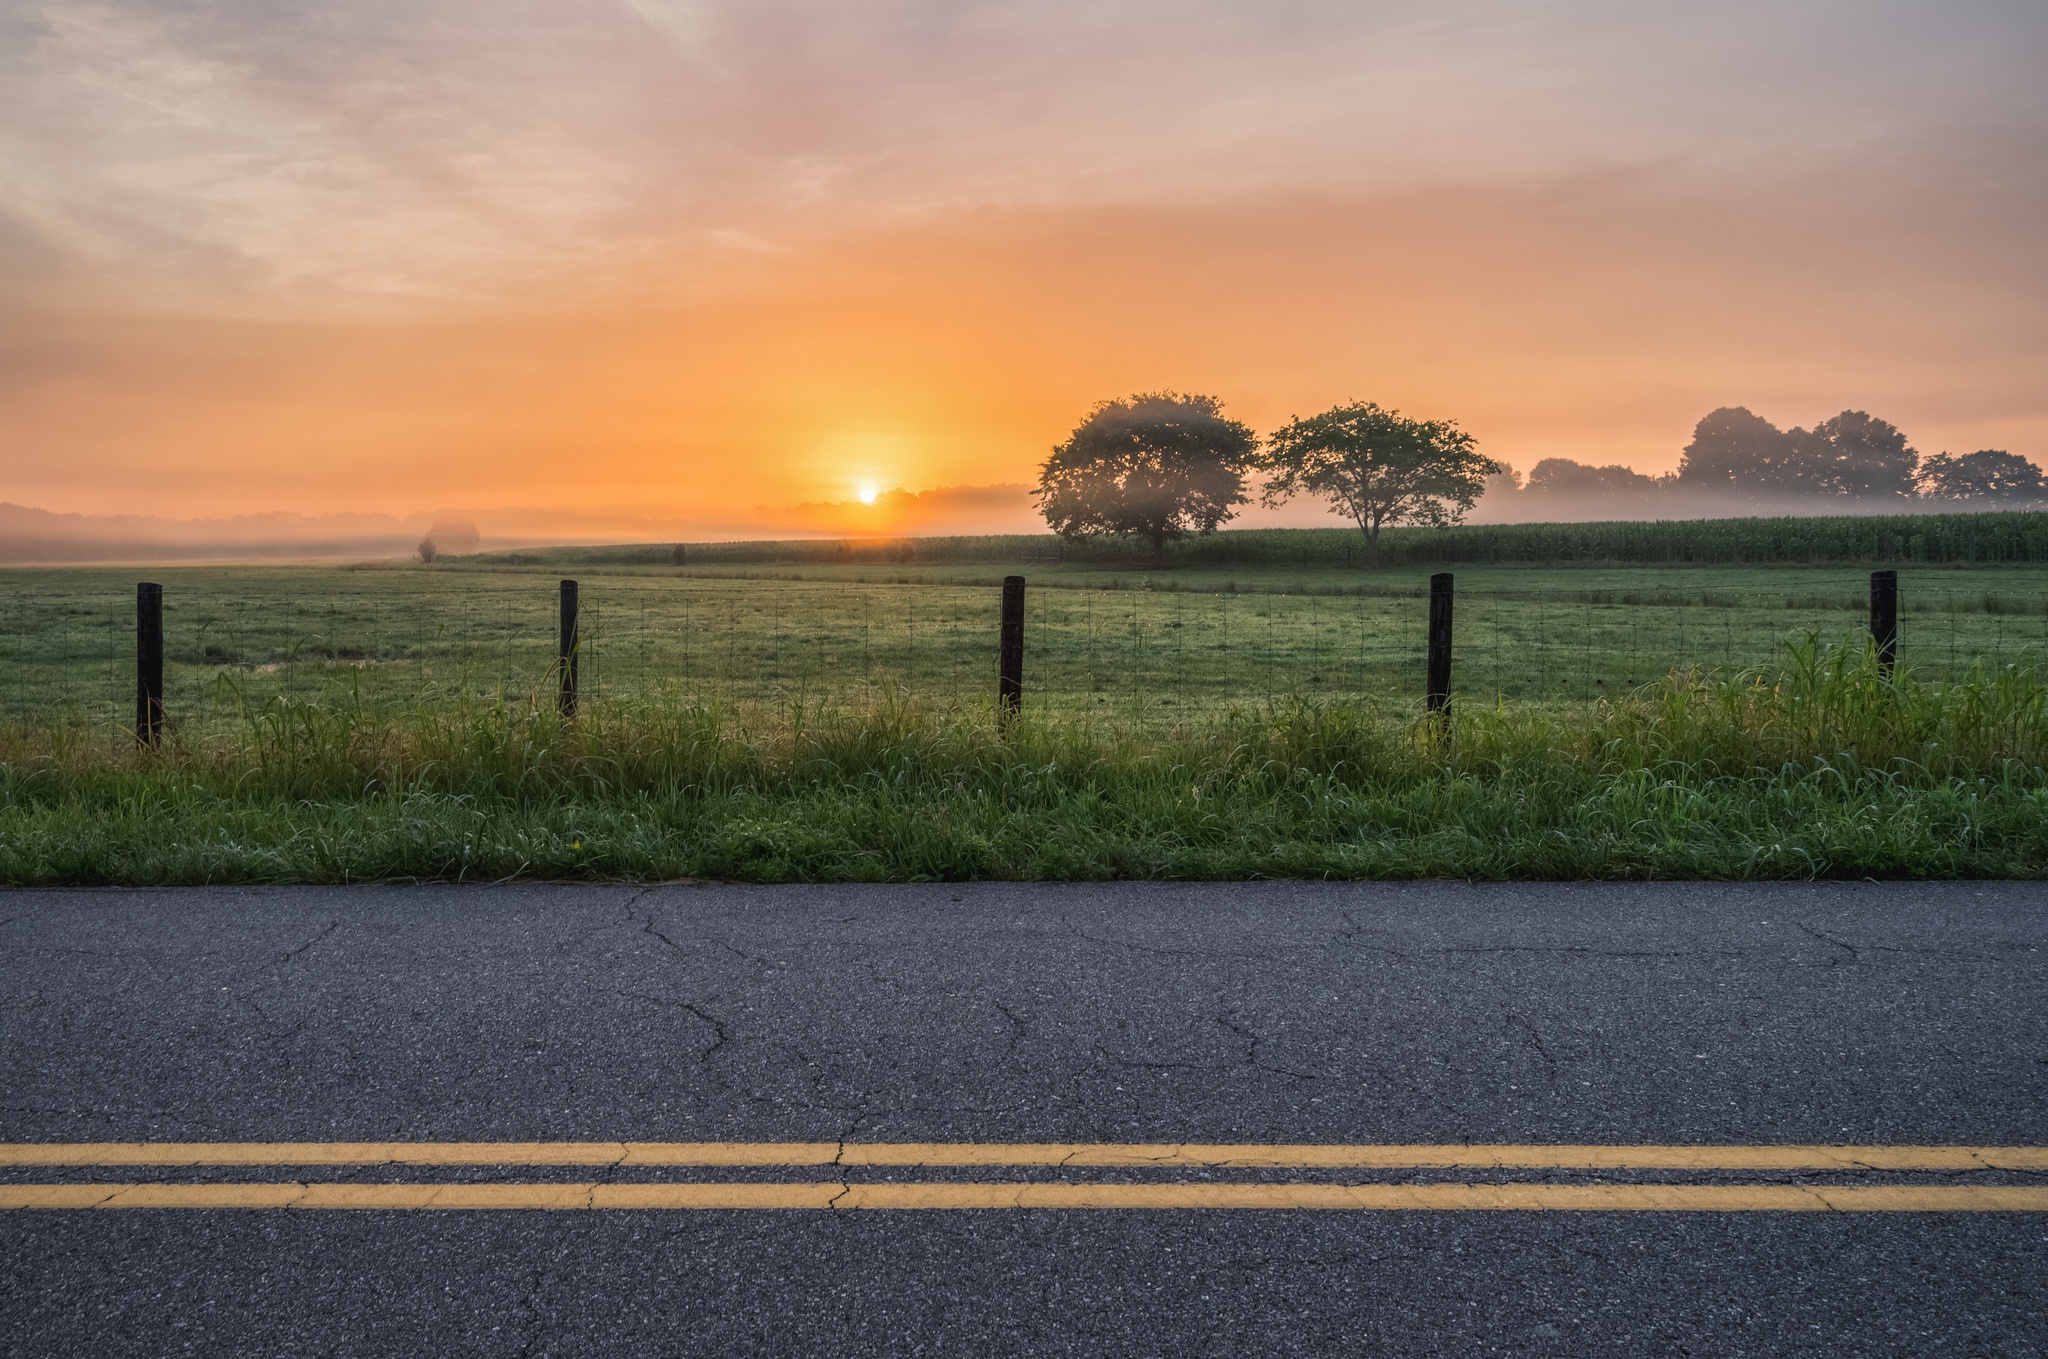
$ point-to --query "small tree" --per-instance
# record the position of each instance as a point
(1159, 465)
(1377, 468)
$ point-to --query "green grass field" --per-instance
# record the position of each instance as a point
(1136, 646)
(832, 720)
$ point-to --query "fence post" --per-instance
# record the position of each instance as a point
(1010, 659)
(1440, 644)
(149, 663)
(1884, 617)
(566, 653)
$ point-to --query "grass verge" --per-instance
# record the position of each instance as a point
(1827, 768)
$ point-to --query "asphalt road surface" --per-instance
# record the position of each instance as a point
(851, 1020)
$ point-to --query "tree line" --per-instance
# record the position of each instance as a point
(1161, 465)
(1738, 455)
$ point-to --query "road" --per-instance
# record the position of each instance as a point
(836, 1023)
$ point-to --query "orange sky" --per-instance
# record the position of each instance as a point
(627, 313)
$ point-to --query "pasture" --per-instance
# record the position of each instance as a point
(1122, 645)
(766, 719)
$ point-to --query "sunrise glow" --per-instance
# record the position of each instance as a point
(614, 271)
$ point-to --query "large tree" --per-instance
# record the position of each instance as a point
(1856, 455)
(1377, 467)
(1158, 465)
(1735, 450)
(1987, 474)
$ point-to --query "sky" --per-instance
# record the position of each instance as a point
(619, 266)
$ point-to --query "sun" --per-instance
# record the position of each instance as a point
(868, 494)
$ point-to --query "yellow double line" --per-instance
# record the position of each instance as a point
(844, 1194)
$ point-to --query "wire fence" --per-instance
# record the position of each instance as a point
(388, 642)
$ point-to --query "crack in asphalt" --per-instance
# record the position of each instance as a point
(326, 930)
(1855, 954)
(1228, 1022)
(860, 1113)
(1018, 1031)
(717, 1028)
(563, 945)
(234, 983)
(1348, 935)
(721, 1035)
(1253, 1040)
(648, 927)
(529, 1307)
(738, 952)
(1348, 938)
(1533, 1037)
(1143, 1064)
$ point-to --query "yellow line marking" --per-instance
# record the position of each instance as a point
(834, 1196)
(1161, 1154)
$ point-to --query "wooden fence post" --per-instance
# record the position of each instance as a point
(1440, 644)
(149, 663)
(1010, 658)
(566, 653)
(1884, 617)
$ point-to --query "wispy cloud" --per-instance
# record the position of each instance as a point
(229, 151)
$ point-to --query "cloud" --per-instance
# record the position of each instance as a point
(232, 152)
(1595, 318)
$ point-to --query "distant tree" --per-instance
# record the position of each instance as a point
(1377, 467)
(1854, 455)
(1987, 474)
(1507, 481)
(455, 536)
(1563, 477)
(678, 555)
(1736, 450)
(1158, 465)
(427, 549)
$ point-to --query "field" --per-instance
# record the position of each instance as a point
(812, 718)
(1144, 647)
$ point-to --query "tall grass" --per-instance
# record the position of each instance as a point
(1826, 767)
